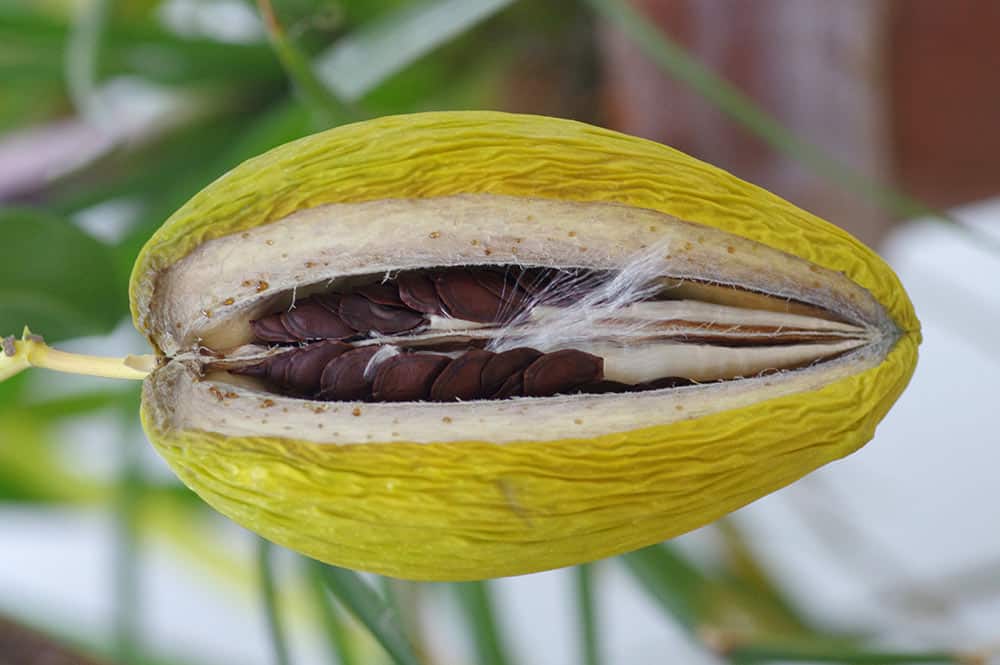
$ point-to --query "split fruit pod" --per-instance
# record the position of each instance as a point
(331, 374)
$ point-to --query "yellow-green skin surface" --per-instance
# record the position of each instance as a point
(473, 509)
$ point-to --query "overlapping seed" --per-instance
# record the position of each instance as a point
(354, 373)
(402, 304)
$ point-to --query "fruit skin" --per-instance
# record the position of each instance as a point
(466, 510)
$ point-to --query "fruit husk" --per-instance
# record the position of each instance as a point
(476, 509)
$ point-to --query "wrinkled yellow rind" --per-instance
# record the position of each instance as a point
(470, 510)
(447, 153)
(473, 509)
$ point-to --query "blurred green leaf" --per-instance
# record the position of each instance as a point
(362, 60)
(361, 600)
(326, 108)
(476, 602)
(128, 515)
(83, 47)
(139, 48)
(752, 583)
(55, 278)
(676, 585)
(334, 630)
(583, 577)
(745, 654)
(31, 470)
(269, 594)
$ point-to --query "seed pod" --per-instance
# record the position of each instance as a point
(769, 344)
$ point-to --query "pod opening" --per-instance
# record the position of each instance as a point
(488, 332)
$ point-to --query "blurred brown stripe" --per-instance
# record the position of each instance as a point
(24, 646)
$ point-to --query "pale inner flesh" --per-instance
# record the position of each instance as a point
(755, 334)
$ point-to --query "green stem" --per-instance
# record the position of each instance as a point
(729, 99)
(265, 571)
(584, 578)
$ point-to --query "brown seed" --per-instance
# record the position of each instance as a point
(364, 315)
(500, 367)
(344, 377)
(386, 293)
(407, 377)
(306, 365)
(562, 371)
(417, 291)
(511, 298)
(465, 298)
(328, 301)
(603, 387)
(310, 320)
(270, 329)
(512, 387)
(278, 367)
(462, 378)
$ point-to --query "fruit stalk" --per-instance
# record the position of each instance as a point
(32, 351)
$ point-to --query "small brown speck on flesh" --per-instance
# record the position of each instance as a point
(434, 235)
(207, 313)
(578, 421)
(446, 420)
(730, 249)
(688, 246)
(262, 286)
(474, 243)
(356, 412)
(518, 240)
(216, 393)
(679, 407)
(246, 282)
(487, 251)
(269, 242)
(395, 433)
(652, 228)
(267, 403)
(319, 425)
(310, 264)
(572, 234)
(583, 249)
(230, 395)
(245, 235)
(229, 301)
